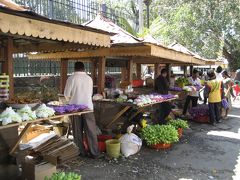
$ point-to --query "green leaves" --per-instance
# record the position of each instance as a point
(155, 134)
(64, 176)
(179, 123)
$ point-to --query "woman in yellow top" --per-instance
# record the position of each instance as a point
(214, 90)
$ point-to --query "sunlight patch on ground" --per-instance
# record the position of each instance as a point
(234, 116)
(184, 179)
(236, 171)
(226, 134)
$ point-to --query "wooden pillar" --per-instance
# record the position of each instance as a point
(63, 74)
(156, 70)
(139, 71)
(168, 67)
(101, 74)
(94, 71)
(185, 71)
(130, 71)
(191, 70)
(123, 74)
(7, 66)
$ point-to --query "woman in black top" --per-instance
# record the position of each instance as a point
(162, 87)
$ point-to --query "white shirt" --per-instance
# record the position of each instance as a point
(196, 82)
(219, 76)
(79, 88)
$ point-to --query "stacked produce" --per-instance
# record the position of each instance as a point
(27, 114)
(200, 113)
(69, 108)
(152, 98)
(43, 111)
(9, 116)
(176, 89)
(181, 81)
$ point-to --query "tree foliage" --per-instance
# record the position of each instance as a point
(210, 28)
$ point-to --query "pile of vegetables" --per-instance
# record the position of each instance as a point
(64, 176)
(155, 134)
(201, 110)
(43, 111)
(69, 108)
(176, 89)
(27, 114)
(152, 98)
(179, 123)
(181, 81)
(9, 116)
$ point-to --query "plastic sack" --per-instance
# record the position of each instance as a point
(130, 143)
(225, 104)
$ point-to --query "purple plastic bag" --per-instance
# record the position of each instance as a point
(225, 104)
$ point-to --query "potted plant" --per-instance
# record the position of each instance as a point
(179, 124)
(160, 136)
(64, 176)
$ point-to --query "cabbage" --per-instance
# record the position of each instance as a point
(43, 111)
(9, 116)
(27, 114)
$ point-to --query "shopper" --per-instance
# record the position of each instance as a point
(237, 83)
(214, 90)
(193, 95)
(218, 73)
(78, 90)
(162, 87)
(228, 91)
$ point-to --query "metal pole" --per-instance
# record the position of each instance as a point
(147, 15)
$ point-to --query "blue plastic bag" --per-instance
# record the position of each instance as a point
(225, 103)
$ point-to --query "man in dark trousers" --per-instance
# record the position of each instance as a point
(162, 87)
(79, 90)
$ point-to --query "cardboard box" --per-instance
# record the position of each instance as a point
(31, 171)
(33, 132)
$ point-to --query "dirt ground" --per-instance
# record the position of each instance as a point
(204, 152)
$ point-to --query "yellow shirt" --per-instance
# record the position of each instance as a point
(215, 91)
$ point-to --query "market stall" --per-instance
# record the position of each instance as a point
(22, 31)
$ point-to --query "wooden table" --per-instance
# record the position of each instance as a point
(29, 123)
(127, 106)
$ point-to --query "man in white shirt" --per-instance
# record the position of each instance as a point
(218, 73)
(78, 90)
(194, 94)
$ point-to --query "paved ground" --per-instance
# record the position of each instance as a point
(204, 152)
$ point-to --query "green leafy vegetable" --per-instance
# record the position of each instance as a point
(179, 123)
(155, 134)
(64, 176)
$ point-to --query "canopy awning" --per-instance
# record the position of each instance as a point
(32, 32)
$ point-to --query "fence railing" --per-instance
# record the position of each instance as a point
(74, 11)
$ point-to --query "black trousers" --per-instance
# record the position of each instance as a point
(214, 111)
(187, 102)
(163, 111)
(86, 123)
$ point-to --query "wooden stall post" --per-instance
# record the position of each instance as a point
(156, 70)
(130, 71)
(94, 71)
(191, 70)
(185, 71)
(168, 67)
(63, 74)
(7, 66)
(139, 71)
(101, 74)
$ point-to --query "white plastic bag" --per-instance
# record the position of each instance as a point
(130, 143)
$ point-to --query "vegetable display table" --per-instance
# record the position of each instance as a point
(126, 106)
(29, 123)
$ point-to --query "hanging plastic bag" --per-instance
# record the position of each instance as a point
(225, 103)
(130, 143)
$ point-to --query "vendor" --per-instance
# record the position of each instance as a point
(162, 87)
(193, 95)
(79, 89)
